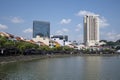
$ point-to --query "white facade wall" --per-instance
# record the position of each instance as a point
(61, 42)
(42, 39)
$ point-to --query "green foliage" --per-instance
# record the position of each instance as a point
(58, 48)
(25, 45)
(44, 48)
(22, 45)
(66, 48)
(9, 43)
(2, 41)
(103, 41)
(111, 43)
(63, 48)
(106, 49)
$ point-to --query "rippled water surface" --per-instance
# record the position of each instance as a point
(64, 68)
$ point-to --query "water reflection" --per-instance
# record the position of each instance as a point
(67, 68)
(92, 67)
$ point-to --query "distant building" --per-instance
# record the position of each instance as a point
(53, 43)
(7, 35)
(61, 39)
(41, 28)
(43, 40)
(80, 46)
(12, 37)
(91, 30)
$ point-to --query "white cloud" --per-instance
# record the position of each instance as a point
(80, 38)
(102, 21)
(16, 20)
(29, 30)
(61, 32)
(78, 27)
(65, 30)
(65, 21)
(83, 13)
(2, 27)
(111, 36)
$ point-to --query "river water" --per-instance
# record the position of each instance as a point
(64, 68)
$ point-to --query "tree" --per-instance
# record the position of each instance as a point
(25, 45)
(9, 43)
(44, 48)
(118, 41)
(2, 41)
(111, 43)
(103, 41)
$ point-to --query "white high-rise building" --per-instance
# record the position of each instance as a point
(91, 30)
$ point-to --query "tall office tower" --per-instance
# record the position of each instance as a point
(41, 28)
(91, 30)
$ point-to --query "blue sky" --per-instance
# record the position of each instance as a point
(65, 16)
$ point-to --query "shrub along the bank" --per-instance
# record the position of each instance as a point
(12, 47)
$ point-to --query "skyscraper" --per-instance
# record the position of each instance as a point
(91, 30)
(41, 28)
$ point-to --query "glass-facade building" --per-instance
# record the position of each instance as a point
(41, 28)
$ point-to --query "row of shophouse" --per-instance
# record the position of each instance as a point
(53, 41)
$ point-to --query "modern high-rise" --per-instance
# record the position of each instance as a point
(41, 28)
(91, 30)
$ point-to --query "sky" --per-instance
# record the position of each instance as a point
(65, 17)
